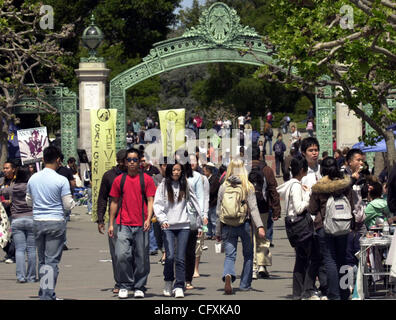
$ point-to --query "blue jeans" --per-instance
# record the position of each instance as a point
(153, 240)
(50, 237)
(132, 255)
(230, 237)
(212, 217)
(89, 202)
(175, 258)
(333, 250)
(23, 236)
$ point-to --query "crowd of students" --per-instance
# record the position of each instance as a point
(185, 204)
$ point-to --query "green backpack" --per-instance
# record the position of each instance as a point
(234, 206)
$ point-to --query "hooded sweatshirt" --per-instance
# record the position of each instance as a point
(376, 208)
(296, 199)
(322, 191)
(251, 200)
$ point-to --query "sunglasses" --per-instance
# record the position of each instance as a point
(133, 159)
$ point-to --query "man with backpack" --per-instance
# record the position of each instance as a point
(279, 149)
(263, 179)
(131, 216)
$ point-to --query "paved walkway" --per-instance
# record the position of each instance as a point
(86, 272)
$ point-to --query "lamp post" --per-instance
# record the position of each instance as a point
(92, 38)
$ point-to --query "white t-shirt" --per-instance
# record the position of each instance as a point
(227, 124)
(241, 120)
(294, 137)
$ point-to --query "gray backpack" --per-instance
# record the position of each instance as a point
(338, 216)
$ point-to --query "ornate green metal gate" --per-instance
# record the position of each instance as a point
(219, 37)
(65, 101)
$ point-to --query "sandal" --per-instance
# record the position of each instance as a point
(189, 286)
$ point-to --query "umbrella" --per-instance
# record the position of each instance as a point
(378, 147)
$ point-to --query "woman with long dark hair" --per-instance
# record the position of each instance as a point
(170, 207)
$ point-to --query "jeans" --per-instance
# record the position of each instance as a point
(175, 257)
(270, 227)
(50, 237)
(212, 222)
(279, 164)
(268, 139)
(230, 237)
(132, 255)
(89, 202)
(333, 250)
(23, 236)
(153, 240)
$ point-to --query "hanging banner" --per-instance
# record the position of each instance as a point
(103, 124)
(32, 143)
(172, 124)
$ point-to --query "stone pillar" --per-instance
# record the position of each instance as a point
(92, 78)
(348, 125)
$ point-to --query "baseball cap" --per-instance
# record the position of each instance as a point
(121, 155)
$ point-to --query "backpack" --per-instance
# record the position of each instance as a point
(278, 148)
(256, 177)
(338, 216)
(234, 208)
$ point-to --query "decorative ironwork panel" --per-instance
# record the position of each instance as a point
(65, 102)
(324, 118)
(219, 37)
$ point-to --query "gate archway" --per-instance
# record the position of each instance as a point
(219, 37)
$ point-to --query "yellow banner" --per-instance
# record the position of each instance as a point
(103, 124)
(172, 124)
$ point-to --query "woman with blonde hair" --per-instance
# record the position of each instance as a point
(236, 207)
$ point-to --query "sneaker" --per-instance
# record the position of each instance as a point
(168, 289)
(178, 293)
(263, 272)
(254, 275)
(21, 281)
(205, 247)
(138, 294)
(123, 294)
(227, 285)
(9, 261)
(324, 298)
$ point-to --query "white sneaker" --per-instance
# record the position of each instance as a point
(9, 261)
(324, 298)
(123, 294)
(314, 297)
(168, 289)
(179, 293)
(254, 275)
(139, 294)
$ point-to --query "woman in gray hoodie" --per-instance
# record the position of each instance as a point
(22, 226)
(170, 207)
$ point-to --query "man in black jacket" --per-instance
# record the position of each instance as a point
(103, 203)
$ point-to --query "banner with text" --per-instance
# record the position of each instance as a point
(172, 124)
(103, 125)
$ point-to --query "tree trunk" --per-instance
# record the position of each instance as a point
(390, 148)
(3, 141)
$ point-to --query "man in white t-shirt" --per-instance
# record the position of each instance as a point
(295, 135)
(241, 122)
(310, 150)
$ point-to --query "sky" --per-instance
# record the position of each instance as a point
(188, 3)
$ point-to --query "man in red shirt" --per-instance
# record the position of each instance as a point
(133, 223)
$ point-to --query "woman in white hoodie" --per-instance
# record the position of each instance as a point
(170, 207)
(296, 198)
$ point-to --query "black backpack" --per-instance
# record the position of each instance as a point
(256, 177)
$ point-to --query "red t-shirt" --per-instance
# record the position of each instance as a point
(131, 210)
